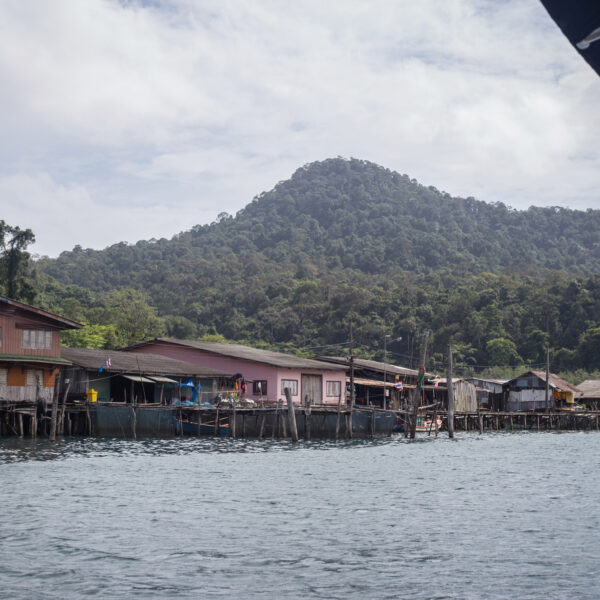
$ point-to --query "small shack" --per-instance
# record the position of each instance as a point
(465, 394)
(528, 392)
(490, 394)
(590, 394)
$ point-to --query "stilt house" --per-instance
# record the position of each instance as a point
(29, 351)
(265, 373)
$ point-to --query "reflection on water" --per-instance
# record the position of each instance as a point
(492, 516)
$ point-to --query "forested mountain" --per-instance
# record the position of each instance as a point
(348, 239)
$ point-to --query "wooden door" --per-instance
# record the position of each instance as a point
(312, 389)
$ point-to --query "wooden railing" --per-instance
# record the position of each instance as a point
(25, 393)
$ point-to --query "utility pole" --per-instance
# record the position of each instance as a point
(351, 368)
(385, 339)
(547, 378)
(450, 394)
(417, 390)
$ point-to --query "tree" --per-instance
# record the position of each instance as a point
(502, 351)
(16, 280)
(134, 319)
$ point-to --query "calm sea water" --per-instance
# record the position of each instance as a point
(493, 516)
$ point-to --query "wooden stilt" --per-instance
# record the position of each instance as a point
(262, 425)
(373, 422)
(21, 432)
(89, 419)
(350, 422)
(217, 420)
(133, 422)
(276, 422)
(291, 415)
(307, 431)
(55, 398)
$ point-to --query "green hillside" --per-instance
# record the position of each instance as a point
(348, 239)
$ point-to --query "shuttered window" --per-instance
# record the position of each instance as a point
(333, 388)
(259, 387)
(292, 384)
(34, 377)
(37, 339)
(3, 376)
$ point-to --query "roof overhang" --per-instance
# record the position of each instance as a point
(138, 378)
(38, 360)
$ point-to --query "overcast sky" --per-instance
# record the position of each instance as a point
(132, 120)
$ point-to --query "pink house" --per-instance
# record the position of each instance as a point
(267, 373)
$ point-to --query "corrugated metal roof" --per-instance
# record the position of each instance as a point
(375, 383)
(130, 362)
(268, 357)
(370, 364)
(556, 381)
(25, 358)
(62, 322)
(138, 378)
(590, 388)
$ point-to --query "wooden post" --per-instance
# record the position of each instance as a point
(291, 415)
(276, 422)
(337, 423)
(63, 407)
(352, 398)
(217, 420)
(233, 420)
(450, 394)
(351, 422)
(307, 431)
(262, 424)
(547, 378)
(373, 421)
(133, 421)
(55, 399)
(417, 390)
(89, 418)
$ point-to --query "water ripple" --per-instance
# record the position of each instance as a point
(493, 516)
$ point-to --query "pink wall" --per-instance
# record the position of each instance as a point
(251, 371)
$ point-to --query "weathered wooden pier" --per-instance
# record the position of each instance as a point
(33, 419)
(523, 421)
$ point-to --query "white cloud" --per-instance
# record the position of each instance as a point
(168, 113)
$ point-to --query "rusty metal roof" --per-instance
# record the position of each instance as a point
(373, 365)
(590, 388)
(56, 320)
(555, 381)
(133, 362)
(267, 357)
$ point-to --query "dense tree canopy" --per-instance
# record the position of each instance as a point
(15, 271)
(347, 238)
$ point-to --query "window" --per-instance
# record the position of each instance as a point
(290, 383)
(3, 376)
(37, 339)
(259, 388)
(34, 377)
(334, 388)
(0, 337)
